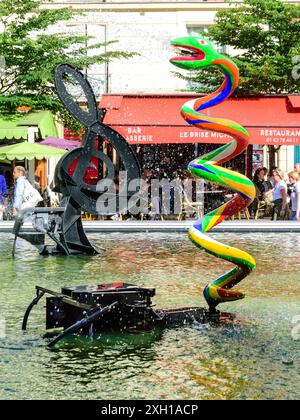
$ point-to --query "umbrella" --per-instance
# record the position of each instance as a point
(26, 150)
(60, 143)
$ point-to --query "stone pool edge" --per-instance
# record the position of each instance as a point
(246, 226)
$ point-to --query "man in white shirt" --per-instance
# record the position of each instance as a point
(26, 196)
(20, 179)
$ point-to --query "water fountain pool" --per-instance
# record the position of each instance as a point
(255, 358)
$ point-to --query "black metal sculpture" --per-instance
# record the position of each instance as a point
(64, 224)
(113, 307)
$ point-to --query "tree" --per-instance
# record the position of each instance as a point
(268, 34)
(265, 35)
(29, 56)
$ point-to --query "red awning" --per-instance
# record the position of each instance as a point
(294, 100)
(156, 119)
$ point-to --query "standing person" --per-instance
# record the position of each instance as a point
(267, 181)
(295, 195)
(37, 184)
(279, 195)
(262, 186)
(9, 179)
(20, 179)
(297, 169)
(25, 195)
(271, 176)
(260, 183)
(3, 194)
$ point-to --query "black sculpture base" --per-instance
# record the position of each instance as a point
(62, 224)
(113, 307)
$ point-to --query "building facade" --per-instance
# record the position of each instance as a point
(142, 27)
(145, 27)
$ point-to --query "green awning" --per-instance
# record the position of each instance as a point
(26, 150)
(15, 127)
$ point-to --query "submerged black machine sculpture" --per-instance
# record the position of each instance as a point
(119, 307)
(64, 224)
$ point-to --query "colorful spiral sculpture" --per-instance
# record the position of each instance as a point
(197, 53)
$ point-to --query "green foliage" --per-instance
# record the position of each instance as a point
(31, 55)
(266, 37)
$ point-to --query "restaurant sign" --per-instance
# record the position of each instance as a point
(185, 134)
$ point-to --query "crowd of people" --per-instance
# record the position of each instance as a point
(278, 195)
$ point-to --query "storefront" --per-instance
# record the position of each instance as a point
(153, 125)
(31, 127)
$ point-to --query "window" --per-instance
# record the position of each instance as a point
(97, 74)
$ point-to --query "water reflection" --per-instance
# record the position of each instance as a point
(254, 358)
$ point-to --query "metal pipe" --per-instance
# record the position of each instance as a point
(84, 322)
(29, 309)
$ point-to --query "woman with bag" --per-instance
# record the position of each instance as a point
(25, 195)
(280, 208)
